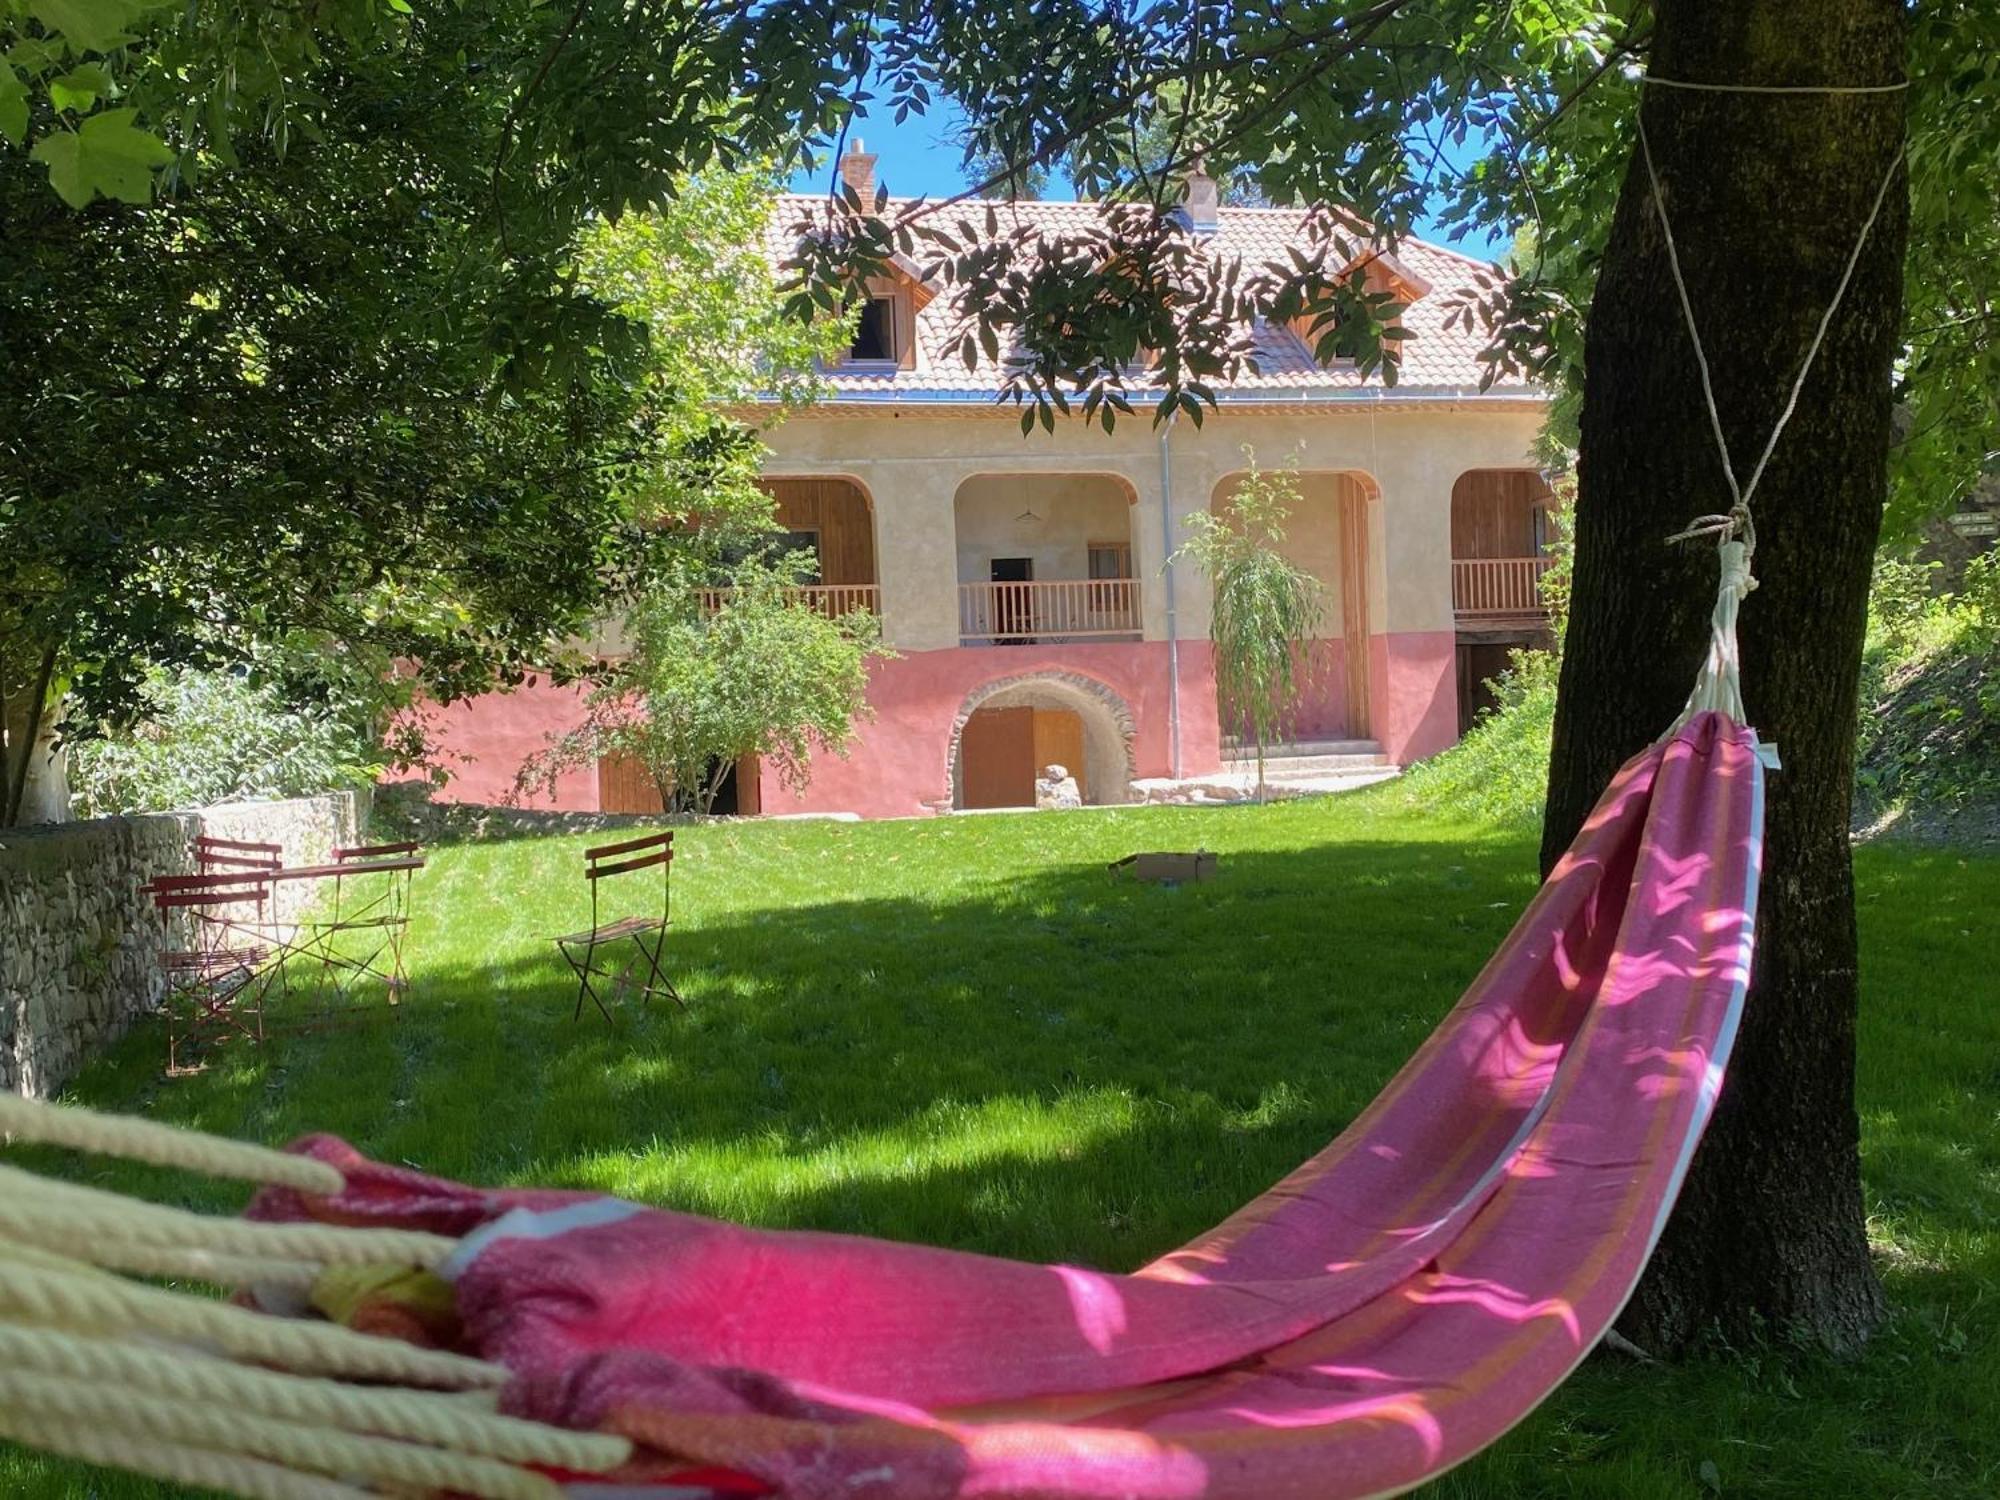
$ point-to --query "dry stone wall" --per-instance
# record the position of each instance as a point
(79, 943)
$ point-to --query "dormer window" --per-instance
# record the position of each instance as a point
(875, 334)
(885, 322)
(1303, 328)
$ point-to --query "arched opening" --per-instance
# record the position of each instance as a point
(834, 519)
(1328, 534)
(1007, 731)
(1045, 558)
(1502, 526)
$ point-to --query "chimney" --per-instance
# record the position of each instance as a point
(857, 170)
(1201, 198)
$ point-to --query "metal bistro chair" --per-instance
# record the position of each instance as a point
(245, 860)
(225, 856)
(380, 908)
(214, 984)
(646, 934)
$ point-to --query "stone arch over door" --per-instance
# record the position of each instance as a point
(1109, 760)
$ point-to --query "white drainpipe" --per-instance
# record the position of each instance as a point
(1167, 566)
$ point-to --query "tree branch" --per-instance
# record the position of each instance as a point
(516, 109)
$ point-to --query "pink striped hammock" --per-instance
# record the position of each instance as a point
(1390, 1308)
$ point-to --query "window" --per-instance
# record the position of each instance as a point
(875, 335)
(1110, 560)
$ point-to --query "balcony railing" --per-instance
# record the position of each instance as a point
(1490, 587)
(1068, 610)
(829, 599)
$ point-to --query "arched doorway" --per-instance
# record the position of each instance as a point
(1502, 525)
(834, 519)
(1045, 558)
(1008, 730)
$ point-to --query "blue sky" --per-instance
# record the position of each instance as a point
(919, 158)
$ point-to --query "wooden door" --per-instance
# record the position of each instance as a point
(1059, 742)
(1478, 664)
(1354, 570)
(624, 787)
(997, 758)
(1013, 602)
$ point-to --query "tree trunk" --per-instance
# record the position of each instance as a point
(34, 765)
(1766, 196)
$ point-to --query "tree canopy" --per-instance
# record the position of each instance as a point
(1501, 113)
(380, 376)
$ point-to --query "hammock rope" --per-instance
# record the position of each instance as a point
(23, 1122)
(1741, 493)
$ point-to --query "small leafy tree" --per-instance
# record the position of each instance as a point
(1266, 611)
(713, 676)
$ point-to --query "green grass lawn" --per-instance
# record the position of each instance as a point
(963, 1031)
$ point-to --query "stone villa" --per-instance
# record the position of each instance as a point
(1024, 581)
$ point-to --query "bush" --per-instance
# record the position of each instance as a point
(1499, 773)
(218, 736)
(758, 672)
(1930, 722)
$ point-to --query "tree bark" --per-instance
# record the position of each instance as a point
(34, 782)
(1766, 196)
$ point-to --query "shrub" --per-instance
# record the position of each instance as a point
(217, 736)
(758, 672)
(1930, 722)
(1499, 772)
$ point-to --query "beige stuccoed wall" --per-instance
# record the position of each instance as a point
(912, 462)
(1312, 536)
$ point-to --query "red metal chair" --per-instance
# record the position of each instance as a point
(648, 935)
(214, 956)
(213, 856)
(385, 873)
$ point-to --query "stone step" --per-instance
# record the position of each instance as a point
(1371, 750)
(1298, 767)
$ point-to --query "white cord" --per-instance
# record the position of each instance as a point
(1740, 493)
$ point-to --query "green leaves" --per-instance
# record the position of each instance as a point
(13, 106)
(80, 87)
(92, 25)
(107, 154)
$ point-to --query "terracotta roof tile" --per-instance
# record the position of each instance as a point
(1435, 358)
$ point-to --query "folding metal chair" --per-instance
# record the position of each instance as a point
(213, 856)
(214, 956)
(648, 935)
(380, 907)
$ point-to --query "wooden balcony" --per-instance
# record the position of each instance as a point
(830, 599)
(1020, 614)
(1497, 589)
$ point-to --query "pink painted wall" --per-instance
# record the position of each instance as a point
(484, 742)
(1322, 710)
(898, 765)
(1413, 693)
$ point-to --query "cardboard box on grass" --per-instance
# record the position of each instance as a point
(1167, 868)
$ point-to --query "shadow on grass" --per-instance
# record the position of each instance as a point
(1066, 1064)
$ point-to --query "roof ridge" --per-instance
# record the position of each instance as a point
(1225, 212)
